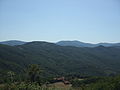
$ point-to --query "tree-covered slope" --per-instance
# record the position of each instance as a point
(55, 59)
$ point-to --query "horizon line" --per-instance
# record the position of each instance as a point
(56, 41)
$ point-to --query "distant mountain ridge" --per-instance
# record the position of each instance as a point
(64, 43)
(13, 42)
(82, 44)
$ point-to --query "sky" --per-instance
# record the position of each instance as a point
(54, 20)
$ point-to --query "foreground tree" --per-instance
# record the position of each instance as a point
(33, 72)
(11, 75)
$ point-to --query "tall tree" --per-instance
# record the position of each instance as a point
(33, 72)
(11, 75)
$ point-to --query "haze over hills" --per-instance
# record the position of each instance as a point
(82, 44)
(64, 43)
(13, 42)
(61, 60)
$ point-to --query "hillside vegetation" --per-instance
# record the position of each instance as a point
(61, 60)
(31, 80)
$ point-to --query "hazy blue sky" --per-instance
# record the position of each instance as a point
(53, 20)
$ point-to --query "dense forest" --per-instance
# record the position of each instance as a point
(59, 60)
(31, 80)
(34, 65)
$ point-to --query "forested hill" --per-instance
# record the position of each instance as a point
(55, 59)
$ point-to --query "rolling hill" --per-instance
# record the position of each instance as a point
(13, 42)
(61, 60)
(82, 44)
